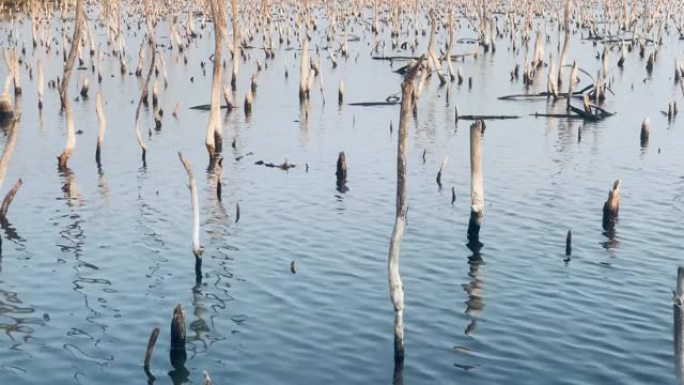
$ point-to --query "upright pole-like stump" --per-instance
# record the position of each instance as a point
(678, 308)
(476, 185)
(196, 248)
(612, 206)
(341, 172)
(177, 353)
(395, 284)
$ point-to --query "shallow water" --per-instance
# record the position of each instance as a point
(87, 277)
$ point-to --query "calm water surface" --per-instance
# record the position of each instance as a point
(86, 276)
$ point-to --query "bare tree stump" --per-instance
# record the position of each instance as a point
(73, 52)
(99, 109)
(612, 206)
(396, 286)
(568, 244)
(476, 185)
(8, 199)
(678, 307)
(441, 170)
(177, 353)
(196, 248)
(645, 132)
(150, 348)
(341, 172)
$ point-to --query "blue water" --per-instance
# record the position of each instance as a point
(90, 273)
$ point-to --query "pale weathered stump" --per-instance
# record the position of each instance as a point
(396, 286)
(143, 94)
(214, 136)
(6, 110)
(476, 184)
(8, 199)
(99, 109)
(304, 71)
(612, 206)
(177, 353)
(73, 52)
(196, 248)
(71, 136)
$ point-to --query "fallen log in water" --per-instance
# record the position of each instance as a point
(578, 94)
(488, 117)
(391, 100)
(283, 166)
(407, 58)
(207, 107)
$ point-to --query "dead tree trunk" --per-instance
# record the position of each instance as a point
(396, 287)
(8, 199)
(73, 52)
(196, 248)
(236, 43)
(177, 353)
(143, 94)
(567, 9)
(612, 206)
(99, 109)
(150, 348)
(214, 138)
(678, 308)
(71, 136)
(476, 185)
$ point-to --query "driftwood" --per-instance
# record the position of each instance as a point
(407, 58)
(207, 107)
(283, 166)
(579, 94)
(391, 100)
(488, 117)
(395, 284)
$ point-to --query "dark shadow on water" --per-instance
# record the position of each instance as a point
(179, 376)
(610, 233)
